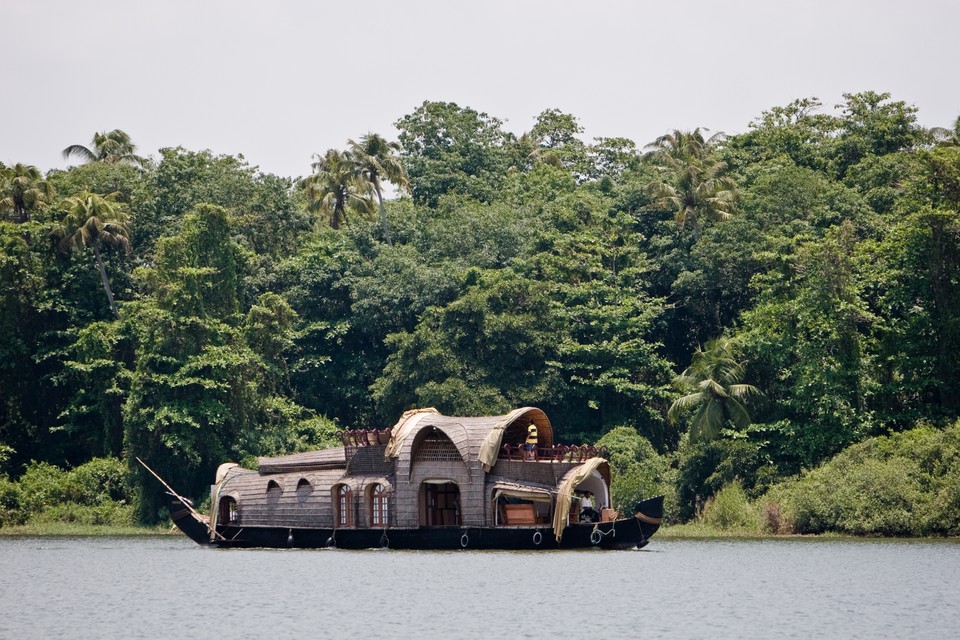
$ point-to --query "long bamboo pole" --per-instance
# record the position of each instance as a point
(176, 495)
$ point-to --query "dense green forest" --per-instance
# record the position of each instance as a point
(755, 319)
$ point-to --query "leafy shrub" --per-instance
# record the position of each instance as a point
(706, 467)
(730, 508)
(638, 471)
(635, 483)
(773, 519)
(626, 446)
(42, 485)
(942, 515)
(899, 485)
(98, 481)
(93, 493)
(11, 511)
(5, 454)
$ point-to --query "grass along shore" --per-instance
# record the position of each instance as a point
(76, 529)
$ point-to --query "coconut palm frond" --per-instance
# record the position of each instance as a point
(374, 159)
(79, 151)
(683, 405)
(91, 220)
(692, 184)
(24, 190)
(110, 147)
(737, 413)
(713, 390)
(743, 391)
(707, 422)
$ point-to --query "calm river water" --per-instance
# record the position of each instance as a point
(167, 587)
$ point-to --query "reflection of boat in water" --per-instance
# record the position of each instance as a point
(430, 482)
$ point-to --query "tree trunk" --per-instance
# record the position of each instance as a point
(383, 215)
(105, 280)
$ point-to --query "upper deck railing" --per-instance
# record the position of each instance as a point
(364, 437)
(555, 453)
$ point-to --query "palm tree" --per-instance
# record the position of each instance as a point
(712, 389)
(111, 147)
(374, 160)
(92, 220)
(692, 183)
(23, 190)
(334, 186)
(534, 154)
(945, 137)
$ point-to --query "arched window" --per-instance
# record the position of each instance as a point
(379, 506)
(272, 486)
(343, 498)
(304, 490)
(229, 513)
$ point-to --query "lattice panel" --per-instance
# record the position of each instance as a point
(436, 447)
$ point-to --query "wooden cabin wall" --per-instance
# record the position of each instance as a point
(367, 466)
(469, 482)
(411, 473)
(289, 507)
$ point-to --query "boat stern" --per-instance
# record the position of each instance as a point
(649, 515)
(194, 525)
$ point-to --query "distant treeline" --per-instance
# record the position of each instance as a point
(726, 313)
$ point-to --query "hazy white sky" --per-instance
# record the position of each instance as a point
(279, 80)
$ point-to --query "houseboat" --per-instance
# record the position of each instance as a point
(429, 482)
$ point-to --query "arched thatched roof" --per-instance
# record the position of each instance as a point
(477, 438)
(573, 478)
(515, 424)
(405, 427)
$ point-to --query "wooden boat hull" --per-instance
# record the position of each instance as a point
(624, 533)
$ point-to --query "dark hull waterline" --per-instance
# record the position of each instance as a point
(624, 533)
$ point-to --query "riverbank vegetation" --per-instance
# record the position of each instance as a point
(96, 493)
(763, 326)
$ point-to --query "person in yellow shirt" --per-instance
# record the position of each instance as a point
(530, 444)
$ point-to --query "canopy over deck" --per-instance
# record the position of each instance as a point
(524, 416)
(482, 436)
(524, 491)
(568, 483)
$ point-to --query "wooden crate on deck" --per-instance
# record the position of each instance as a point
(520, 514)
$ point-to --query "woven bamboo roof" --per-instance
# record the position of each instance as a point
(477, 438)
(332, 458)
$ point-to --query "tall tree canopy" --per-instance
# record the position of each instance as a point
(374, 160)
(692, 183)
(111, 147)
(448, 149)
(91, 221)
(24, 190)
(335, 186)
